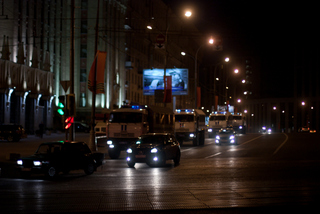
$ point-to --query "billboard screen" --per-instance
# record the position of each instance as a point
(153, 80)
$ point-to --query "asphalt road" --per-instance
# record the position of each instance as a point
(264, 173)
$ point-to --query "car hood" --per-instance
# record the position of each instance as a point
(145, 146)
(36, 157)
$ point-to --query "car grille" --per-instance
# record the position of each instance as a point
(27, 163)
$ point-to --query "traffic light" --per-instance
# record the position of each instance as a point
(71, 104)
(68, 122)
(61, 105)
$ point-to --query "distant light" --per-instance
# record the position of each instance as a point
(188, 13)
(239, 100)
(236, 71)
(226, 59)
(274, 108)
(245, 111)
(243, 81)
(303, 103)
(183, 53)
(217, 78)
(149, 27)
(211, 41)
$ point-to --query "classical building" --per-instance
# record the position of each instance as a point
(36, 55)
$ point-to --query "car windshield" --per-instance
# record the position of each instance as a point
(125, 117)
(151, 140)
(184, 118)
(226, 131)
(48, 148)
(218, 118)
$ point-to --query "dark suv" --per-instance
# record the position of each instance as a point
(61, 156)
(12, 132)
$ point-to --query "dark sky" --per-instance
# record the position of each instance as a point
(270, 30)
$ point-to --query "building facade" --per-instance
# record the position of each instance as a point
(36, 55)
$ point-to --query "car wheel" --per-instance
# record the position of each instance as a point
(131, 164)
(52, 172)
(176, 160)
(10, 138)
(89, 169)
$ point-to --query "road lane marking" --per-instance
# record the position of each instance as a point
(250, 140)
(279, 147)
(219, 153)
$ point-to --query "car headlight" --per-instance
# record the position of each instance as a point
(37, 163)
(231, 137)
(111, 146)
(109, 142)
(218, 137)
(154, 150)
(209, 130)
(240, 127)
(129, 150)
(191, 135)
(20, 162)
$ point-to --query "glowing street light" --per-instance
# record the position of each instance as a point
(188, 13)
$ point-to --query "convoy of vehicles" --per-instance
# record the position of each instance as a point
(190, 126)
(154, 149)
(218, 120)
(126, 124)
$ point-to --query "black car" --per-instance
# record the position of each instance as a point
(61, 156)
(154, 149)
(12, 133)
(226, 135)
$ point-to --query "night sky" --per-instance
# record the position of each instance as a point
(279, 34)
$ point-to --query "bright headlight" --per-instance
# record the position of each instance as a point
(129, 150)
(37, 163)
(218, 137)
(191, 135)
(209, 130)
(240, 127)
(109, 142)
(154, 150)
(20, 162)
(231, 137)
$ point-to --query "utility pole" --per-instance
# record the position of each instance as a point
(71, 129)
(92, 141)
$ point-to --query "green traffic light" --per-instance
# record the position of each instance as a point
(60, 111)
(60, 105)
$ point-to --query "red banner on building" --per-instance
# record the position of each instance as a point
(167, 89)
(198, 97)
(99, 61)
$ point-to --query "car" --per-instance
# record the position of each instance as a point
(81, 127)
(12, 133)
(304, 129)
(264, 130)
(154, 149)
(226, 135)
(51, 158)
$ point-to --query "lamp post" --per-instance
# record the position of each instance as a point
(236, 71)
(211, 41)
(187, 14)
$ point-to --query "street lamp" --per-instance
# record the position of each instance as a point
(236, 71)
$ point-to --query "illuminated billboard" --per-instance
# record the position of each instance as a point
(153, 80)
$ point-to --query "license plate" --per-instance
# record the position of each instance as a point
(26, 169)
(140, 156)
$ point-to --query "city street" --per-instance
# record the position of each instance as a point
(263, 173)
